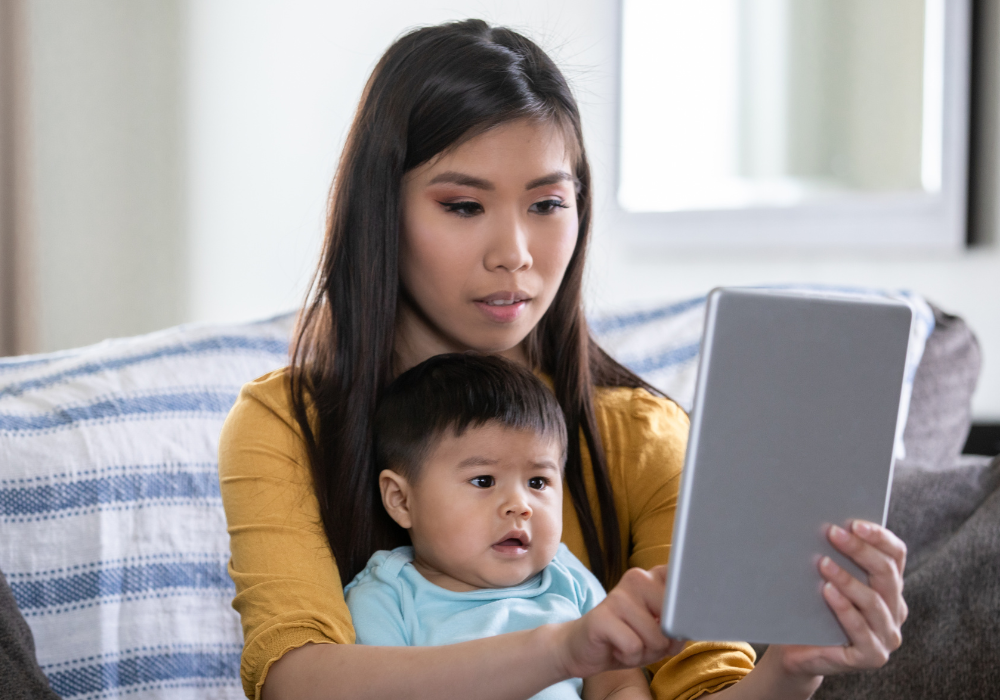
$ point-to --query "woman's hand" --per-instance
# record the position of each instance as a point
(623, 631)
(871, 614)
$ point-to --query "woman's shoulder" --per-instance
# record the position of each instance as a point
(271, 392)
(628, 416)
(262, 417)
(644, 438)
(266, 401)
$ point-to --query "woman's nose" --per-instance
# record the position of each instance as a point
(508, 249)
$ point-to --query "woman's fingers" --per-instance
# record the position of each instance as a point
(864, 651)
(867, 649)
(881, 538)
(887, 542)
(871, 615)
(882, 555)
(871, 606)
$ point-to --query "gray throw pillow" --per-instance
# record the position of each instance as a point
(940, 409)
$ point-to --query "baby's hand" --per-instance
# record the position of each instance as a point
(623, 631)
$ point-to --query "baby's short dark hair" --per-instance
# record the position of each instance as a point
(455, 392)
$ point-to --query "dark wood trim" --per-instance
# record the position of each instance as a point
(984, 124)
(17, 293)
(984, 439)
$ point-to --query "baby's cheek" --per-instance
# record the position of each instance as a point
(549, 531)
(462, 532)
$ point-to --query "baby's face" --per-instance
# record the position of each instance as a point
(486, 508)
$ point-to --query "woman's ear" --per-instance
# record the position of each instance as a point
(396, 497)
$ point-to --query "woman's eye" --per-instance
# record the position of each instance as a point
(538, 483)
(483, 482)
(463, 209)
(547, 206)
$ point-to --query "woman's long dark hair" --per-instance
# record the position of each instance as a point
(432, 89)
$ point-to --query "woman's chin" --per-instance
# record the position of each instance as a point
(509, 344)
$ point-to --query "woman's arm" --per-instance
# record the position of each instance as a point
(511, 666)
(620, 633)
(627, 684)
(288, 587)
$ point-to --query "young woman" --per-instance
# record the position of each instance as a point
(459, 220)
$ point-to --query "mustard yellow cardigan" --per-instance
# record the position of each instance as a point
(288, 589)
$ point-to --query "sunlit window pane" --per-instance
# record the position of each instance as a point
(736, 103)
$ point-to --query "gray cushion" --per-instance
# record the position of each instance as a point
(940, 408)
(20, 676)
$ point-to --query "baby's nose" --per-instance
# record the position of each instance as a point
(517, 505)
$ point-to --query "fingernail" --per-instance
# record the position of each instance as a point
(827, 565)
(862, 528)
(838, 533)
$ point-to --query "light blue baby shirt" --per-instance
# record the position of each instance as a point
(392, 604)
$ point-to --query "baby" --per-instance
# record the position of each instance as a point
(471, 451)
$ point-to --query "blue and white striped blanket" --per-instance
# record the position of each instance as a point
(112, 533)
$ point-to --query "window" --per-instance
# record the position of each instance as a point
(821, 123)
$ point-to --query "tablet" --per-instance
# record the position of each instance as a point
(792, 429)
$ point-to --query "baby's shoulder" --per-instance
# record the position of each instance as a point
(570, 578)
(377, 598)
(384, 569)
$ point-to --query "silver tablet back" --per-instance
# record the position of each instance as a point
(792, 429)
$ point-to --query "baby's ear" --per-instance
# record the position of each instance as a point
(396, 497)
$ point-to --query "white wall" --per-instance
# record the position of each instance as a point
(184, 149)
(273, 86)
(105, 94)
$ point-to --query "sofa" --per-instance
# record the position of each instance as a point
(114, 544)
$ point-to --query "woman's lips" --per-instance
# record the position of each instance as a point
(503, 307)
(505, 313)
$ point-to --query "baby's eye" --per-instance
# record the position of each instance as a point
(538, 482)
(464, 209)
(548, 206)
(483, 482)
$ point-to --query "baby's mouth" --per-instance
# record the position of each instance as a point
(514, 542)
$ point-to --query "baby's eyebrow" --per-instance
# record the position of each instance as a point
(477, 461)
(547, 465)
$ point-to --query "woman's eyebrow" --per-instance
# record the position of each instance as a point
(550, 179)
(456, 178)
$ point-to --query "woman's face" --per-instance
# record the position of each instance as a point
(488, 229)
